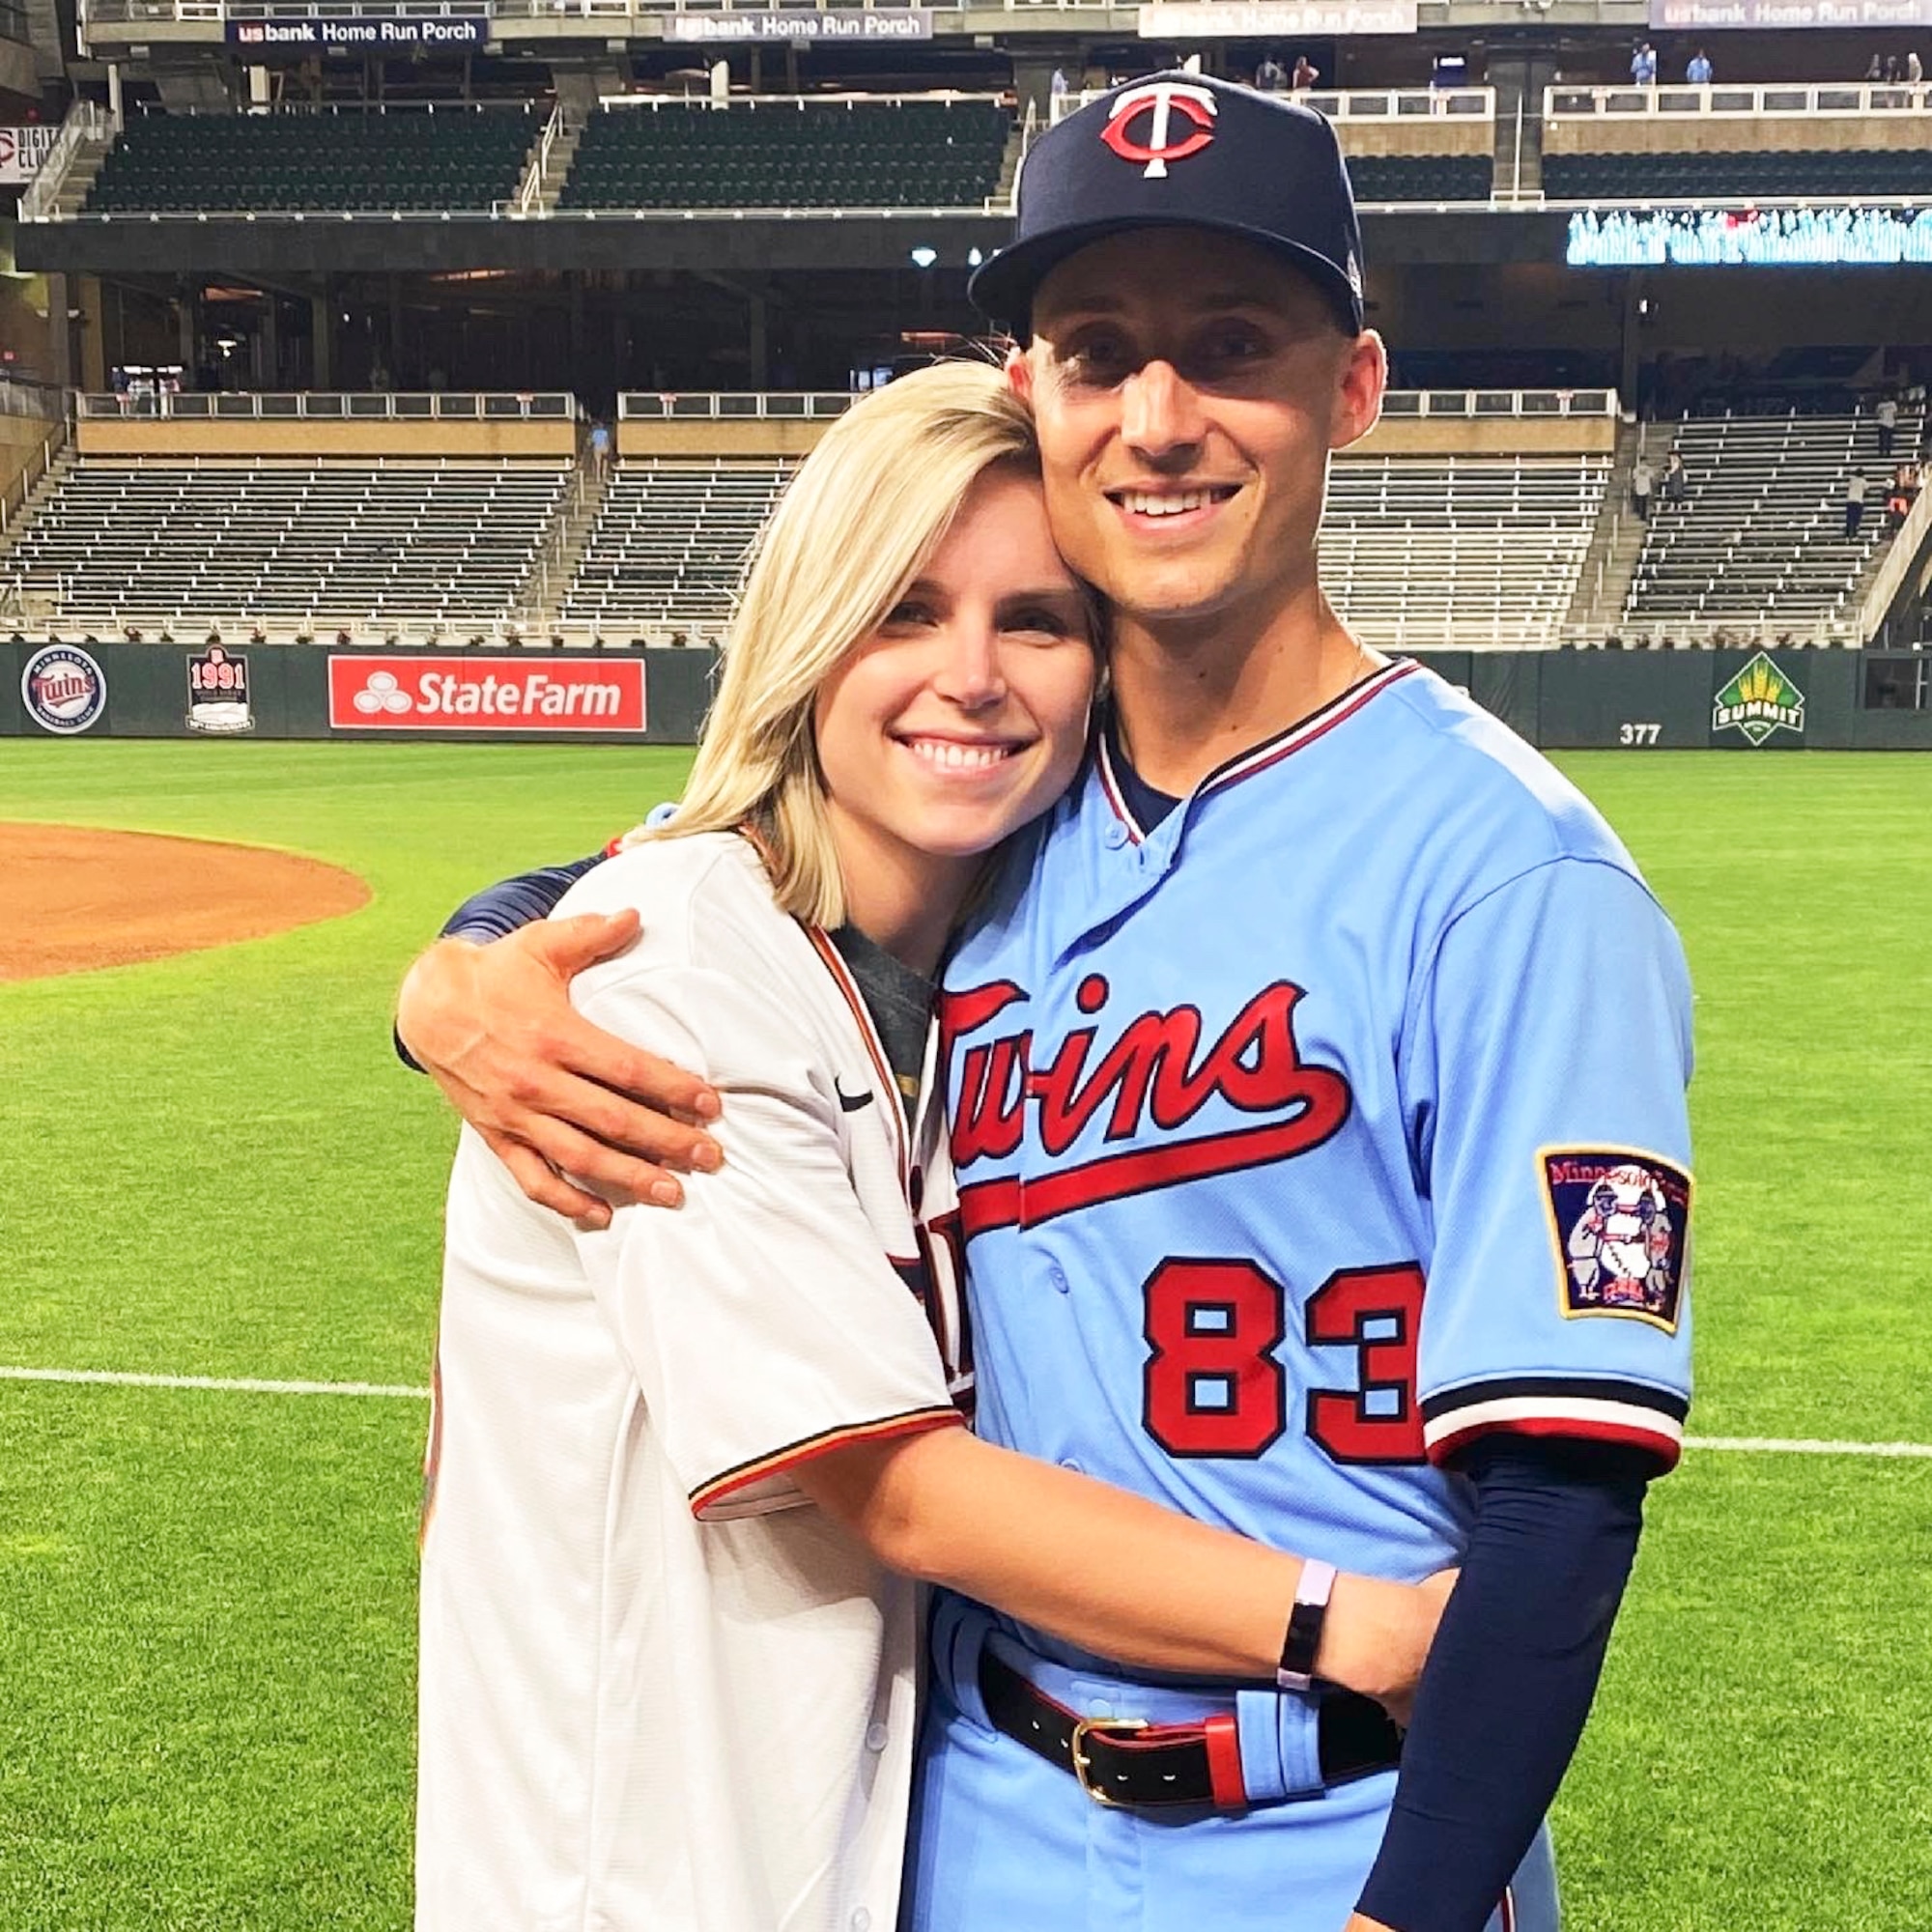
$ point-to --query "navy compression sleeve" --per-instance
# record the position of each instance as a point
(1509, 1679)
(499, 910)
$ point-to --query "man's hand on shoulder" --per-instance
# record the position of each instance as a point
(550, 1094)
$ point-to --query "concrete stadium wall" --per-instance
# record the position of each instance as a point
(245, 436)
(1562, 701)
(1730, 135)
(20, 440)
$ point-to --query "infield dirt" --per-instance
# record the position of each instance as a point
(74, 899)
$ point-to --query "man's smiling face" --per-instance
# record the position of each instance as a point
(1188, 387)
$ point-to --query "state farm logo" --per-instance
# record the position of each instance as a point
(423, 693)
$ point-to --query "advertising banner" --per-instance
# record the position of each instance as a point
(1274, 19)
(399, 692)
(832, 23)
(23, 150)
(359, 34)
(1708, 16)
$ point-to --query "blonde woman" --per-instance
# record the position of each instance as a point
(685, 1465)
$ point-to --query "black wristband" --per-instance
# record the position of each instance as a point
(1304, 1640)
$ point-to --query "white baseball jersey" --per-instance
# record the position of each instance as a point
(660, 1690)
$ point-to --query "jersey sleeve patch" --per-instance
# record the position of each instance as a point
(1621, 1220)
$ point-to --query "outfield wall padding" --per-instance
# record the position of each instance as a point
(1562, 701)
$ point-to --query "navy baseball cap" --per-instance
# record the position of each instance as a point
(1180, 151)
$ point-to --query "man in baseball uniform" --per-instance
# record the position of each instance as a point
(1315, 1078)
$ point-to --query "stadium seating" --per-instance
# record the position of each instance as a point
(1708, 175)
(415, 158)
(1421, 177)
(1417, 552)
(790, 153)
(669, 545)
(1760, 542)
(374, 543)
(1463, 551)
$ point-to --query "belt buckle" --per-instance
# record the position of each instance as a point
(1083, 1764)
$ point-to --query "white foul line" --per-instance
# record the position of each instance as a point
(1760, 1445)
(233, 1384)
(1804, 1446)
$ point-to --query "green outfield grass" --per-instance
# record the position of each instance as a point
(212, 1166)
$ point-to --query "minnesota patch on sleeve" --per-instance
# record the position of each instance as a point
(1622, 1222)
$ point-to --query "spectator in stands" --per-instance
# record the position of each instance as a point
(1676, 480)
(1060, 85)
(1855, 501)
(1915, 68)
(1643, 65)
(1643, 480)
(1899, 495)
(1306, 74)
(1270, 76)
(1876, 71)
(1699, 71)
(1885, 416)
(599, 450)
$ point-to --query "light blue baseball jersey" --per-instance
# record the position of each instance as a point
(1333, 1122)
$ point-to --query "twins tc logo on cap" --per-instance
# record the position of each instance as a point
(1162, 100)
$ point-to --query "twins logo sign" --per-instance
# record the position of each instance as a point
(63, 690)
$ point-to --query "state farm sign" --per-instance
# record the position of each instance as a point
(395, 692)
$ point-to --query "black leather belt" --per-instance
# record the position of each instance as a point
(1126, 1761)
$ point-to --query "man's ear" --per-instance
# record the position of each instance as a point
(1359, 400)
(1019, 371)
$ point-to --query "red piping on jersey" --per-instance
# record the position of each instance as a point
(1667, 1448)
(1224, 1763)
(916, 1423)
(1508, 1910)
(1271, 751)
(889, 1086)
(1005, 1204)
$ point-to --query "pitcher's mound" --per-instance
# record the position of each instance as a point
(72, 898)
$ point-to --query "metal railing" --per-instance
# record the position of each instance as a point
(331, 405)
(31, 399)
(1405, 405)
(1702, 634)
(733, 406)
(84, 122)
(1807, 98)
(1400, 404)
(125, 12)
(1375, 104)
(530, 196)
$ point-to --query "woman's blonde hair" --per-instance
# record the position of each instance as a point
(856, 526)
